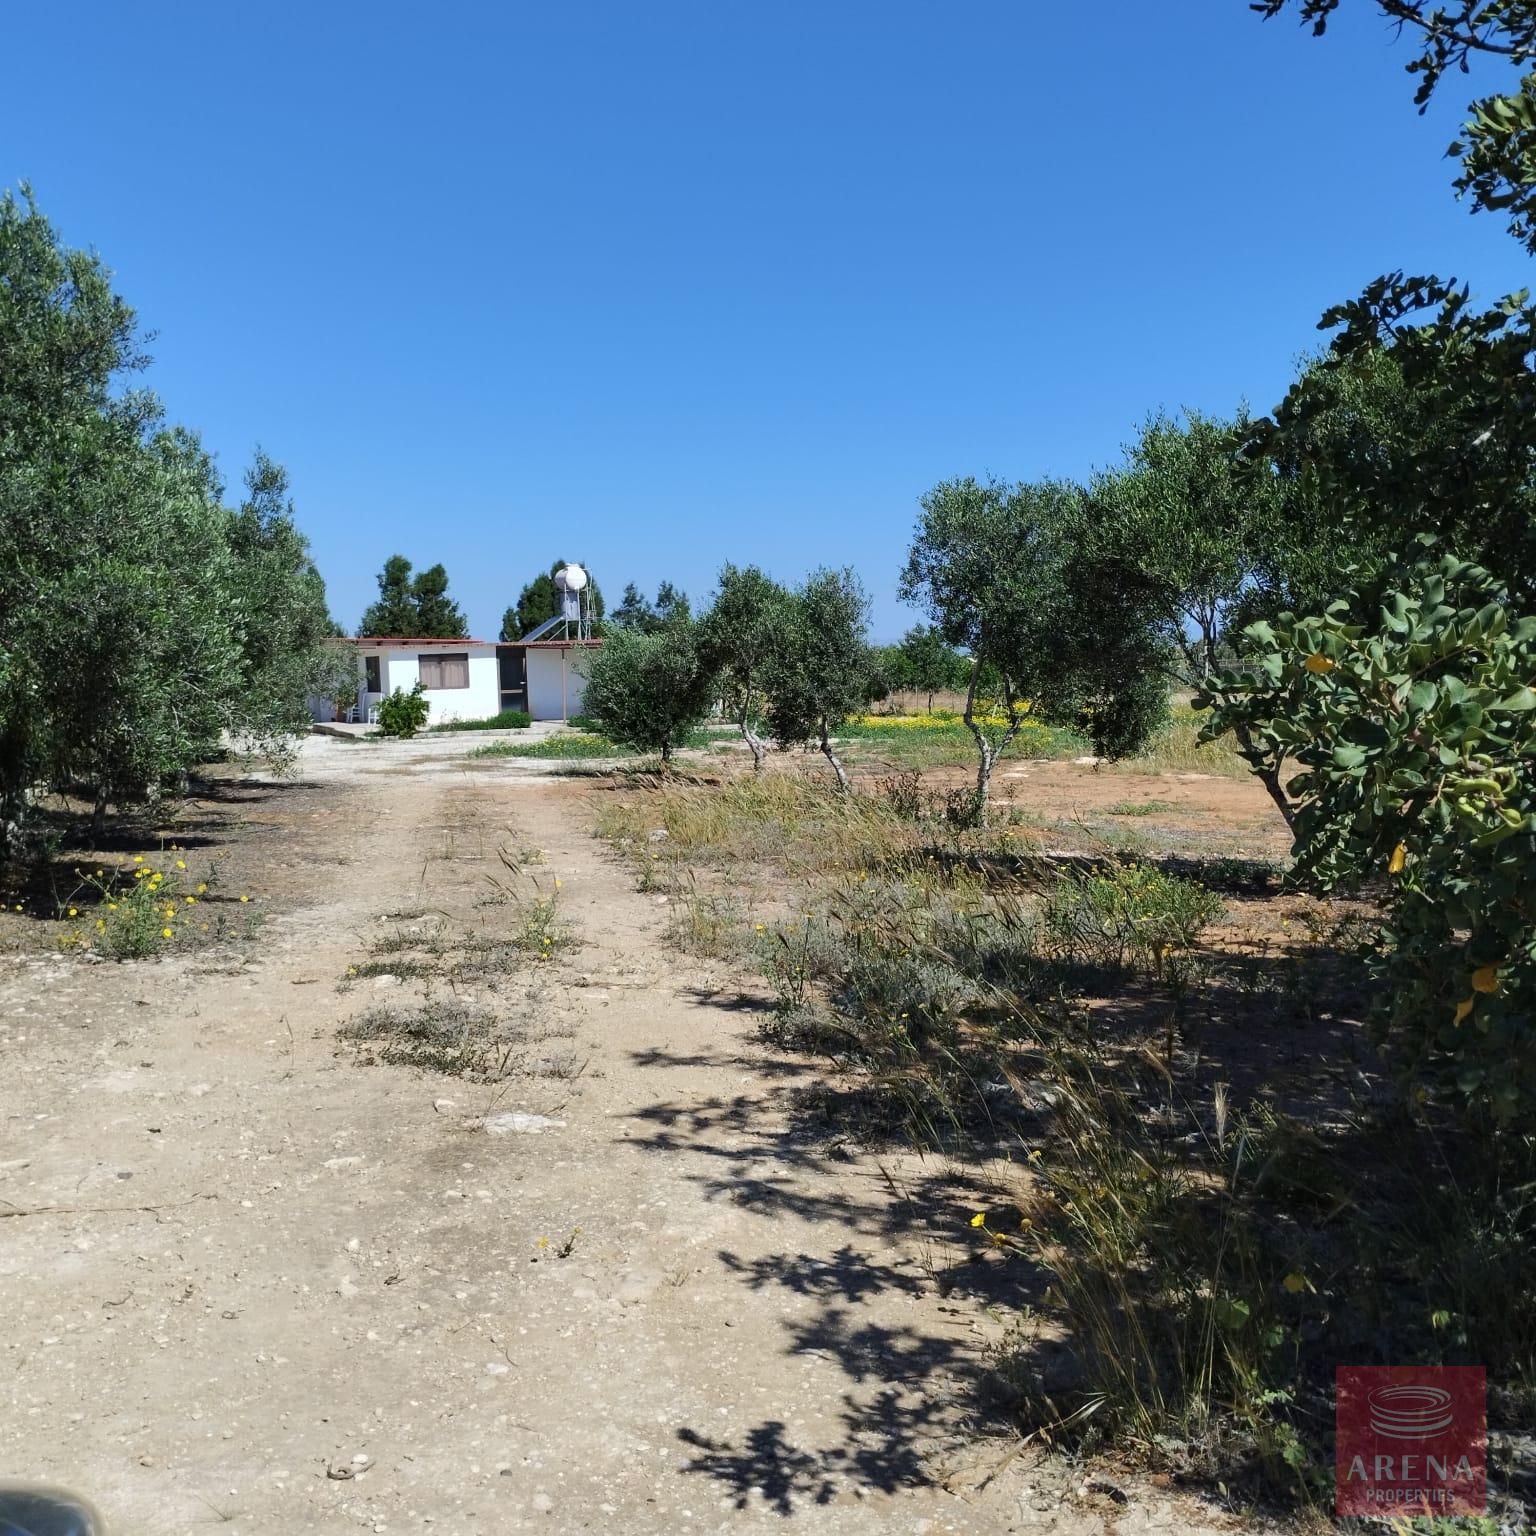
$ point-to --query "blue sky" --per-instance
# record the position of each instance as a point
(660, 286)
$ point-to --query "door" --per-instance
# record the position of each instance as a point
(512, 665)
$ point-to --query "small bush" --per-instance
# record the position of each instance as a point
(1185, 1301)
(506, 720)
(958, 809)
(403, 714)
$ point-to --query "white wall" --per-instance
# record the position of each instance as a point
(479, 701)
(546, 700)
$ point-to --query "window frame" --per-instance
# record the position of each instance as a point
(438, 661)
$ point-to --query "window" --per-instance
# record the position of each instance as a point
(450, 671)
(373, 680)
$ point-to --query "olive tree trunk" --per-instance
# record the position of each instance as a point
(754, 742)
(832, 757)
(987, 751)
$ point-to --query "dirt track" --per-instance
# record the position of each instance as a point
(261, 1285)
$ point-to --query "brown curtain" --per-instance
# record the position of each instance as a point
(444, 671)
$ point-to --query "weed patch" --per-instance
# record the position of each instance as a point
(438, 1035)
(555, 748)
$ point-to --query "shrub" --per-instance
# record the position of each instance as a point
(649, 690)
(403, 714)
(1184, 1298)
(1410, 710)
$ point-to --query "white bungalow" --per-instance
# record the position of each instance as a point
(466, 679)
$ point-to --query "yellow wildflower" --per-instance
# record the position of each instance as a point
(165, 933)
(74, 912)
(979, 1219)
(245, 898)
(202, 890)
(181, 863)
(138, 858)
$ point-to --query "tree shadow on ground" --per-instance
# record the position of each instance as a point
(733, 1000)
(889, 1307)
(214, 815)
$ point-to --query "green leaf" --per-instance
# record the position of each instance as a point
(1231, 1313)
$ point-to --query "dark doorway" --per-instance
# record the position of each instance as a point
(511, 663)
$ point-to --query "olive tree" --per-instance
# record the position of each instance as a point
(140, 619)
(737, 634)
(650, 690)
(287, 654)
(1206, 535)
(819, 666)
(1007, 573)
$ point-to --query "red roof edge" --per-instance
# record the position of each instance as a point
(399, 640)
